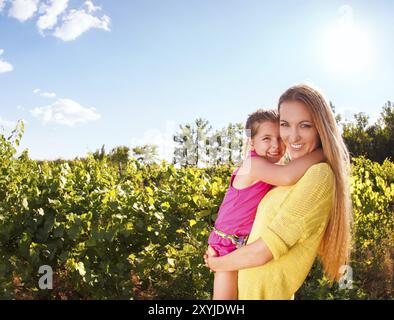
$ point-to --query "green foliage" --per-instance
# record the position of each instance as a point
(106, 236)
(376, 141)
(141, 233)
(119, 154)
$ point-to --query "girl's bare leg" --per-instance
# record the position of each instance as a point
(225, 285)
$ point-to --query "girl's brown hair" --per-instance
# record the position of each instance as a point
(256, 118)
(253, 123)
(335, 245)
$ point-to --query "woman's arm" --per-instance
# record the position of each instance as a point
(284, 175)
(249, 256)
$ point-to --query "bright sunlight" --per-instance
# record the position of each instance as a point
(346, 46)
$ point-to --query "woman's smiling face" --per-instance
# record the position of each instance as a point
(297, 128)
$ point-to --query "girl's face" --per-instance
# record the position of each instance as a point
(297, 129)
(267, 142)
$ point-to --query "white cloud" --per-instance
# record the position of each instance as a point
(65, 112)
(7, 124)
(4, 65)
(163, 139)
(23, 9)
(48, 94)
(91, 7)
(77, 22)
(44, 94)
(51, 11)
(2, 4)
(54, 17)
(347, 113)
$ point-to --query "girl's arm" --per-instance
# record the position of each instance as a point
(284, 175)
(249, 256)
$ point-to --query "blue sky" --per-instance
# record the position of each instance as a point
(126, 72)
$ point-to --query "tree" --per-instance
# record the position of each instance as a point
(147, 153)
(119, 155)
(183, 152)
(202, 130)
(226, 145)
(100, 154)
(192, 143)
(197, 145)
(376, 141)
(233, 143)
(214, 148)
(383, 134)
(338, 117)
(356, 136)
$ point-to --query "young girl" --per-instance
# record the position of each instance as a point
(257, 174)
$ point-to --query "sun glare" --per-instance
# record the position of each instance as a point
(346, 47)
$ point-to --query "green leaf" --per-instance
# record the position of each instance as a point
(159, 215)
(149, 190)
(195, 199)
(25, 204)
(58, 232)
(165, 206)
(91, 243)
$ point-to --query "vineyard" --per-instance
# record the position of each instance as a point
(140, 232)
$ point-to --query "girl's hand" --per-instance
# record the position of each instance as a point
(321, 155)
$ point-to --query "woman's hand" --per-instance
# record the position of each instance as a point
(208, 256)
(252, 255)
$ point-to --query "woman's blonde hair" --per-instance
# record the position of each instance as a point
(335, 246)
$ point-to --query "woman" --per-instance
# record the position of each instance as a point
(295, 224)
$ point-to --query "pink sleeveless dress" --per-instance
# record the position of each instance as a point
(236, 213)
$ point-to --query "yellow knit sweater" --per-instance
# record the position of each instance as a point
(291, 221)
